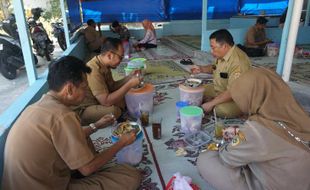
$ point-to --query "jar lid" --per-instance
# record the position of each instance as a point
(181, 104)
(190, 89)
(136, 63)
(148, 88)
(191, 111)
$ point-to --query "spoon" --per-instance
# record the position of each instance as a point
(218, 145)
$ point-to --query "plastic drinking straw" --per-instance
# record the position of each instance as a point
(214, 113)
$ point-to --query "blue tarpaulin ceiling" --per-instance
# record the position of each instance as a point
(166, 10)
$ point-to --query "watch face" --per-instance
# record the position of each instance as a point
(93, 127)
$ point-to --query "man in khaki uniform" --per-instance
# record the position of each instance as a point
(256, 35)
(47, 141)
(230, 63)
(93, 38)
(105, 95)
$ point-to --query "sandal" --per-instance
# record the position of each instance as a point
(189, 62)
(183, 62)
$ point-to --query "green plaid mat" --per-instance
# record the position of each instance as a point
(156, 72)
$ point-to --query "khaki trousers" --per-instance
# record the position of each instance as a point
(219, 175)
(224, 110)
(119, 177)
(92, 113)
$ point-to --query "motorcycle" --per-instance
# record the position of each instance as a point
(59, 34)
(41, 42)
(11, 55)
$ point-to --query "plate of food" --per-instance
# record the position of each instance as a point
(192, 82)
(216, 130)
(140, 86)
(126, 127)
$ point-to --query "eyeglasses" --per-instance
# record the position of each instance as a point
(119, 56)
(216, 47)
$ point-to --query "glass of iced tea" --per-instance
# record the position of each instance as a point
(156, 127)
(218, 129)
(144, 118)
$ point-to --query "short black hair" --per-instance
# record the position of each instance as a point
(222, 36)
(90, 22)
(261, 20)
(115, 24)
(66, 69)
(110, 44)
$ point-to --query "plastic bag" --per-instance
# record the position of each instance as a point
(179, 182)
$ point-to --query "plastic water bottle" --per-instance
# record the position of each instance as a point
(126, 49)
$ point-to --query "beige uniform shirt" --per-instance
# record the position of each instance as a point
(45, 143)
(100, 81)
(253, 35)
(92, 37)
(268, 161)
(229, 68)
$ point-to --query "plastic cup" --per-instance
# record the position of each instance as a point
(144, 118)
(218, 129)
(156, 127)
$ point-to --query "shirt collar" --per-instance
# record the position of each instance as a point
(102, 67)
(229, 53)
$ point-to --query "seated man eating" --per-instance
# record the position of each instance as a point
(230, 63)
(47, 142)
(104, 95)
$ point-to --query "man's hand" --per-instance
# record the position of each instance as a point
(105, 121)
(128, 138)
(135, 73)
(208, 106)
(196, 69)
(134, 81)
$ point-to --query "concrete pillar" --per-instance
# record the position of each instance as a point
(204, 23)
(23, 33)
(65, 22)
(291, 42)
(284, 37)
(307, 20)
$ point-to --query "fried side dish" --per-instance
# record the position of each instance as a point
(124, 128)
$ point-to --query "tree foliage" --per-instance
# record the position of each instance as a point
(5, 9)
(54, 12)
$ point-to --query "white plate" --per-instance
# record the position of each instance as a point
(192, 83)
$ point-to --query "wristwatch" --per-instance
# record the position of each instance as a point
(93, 127)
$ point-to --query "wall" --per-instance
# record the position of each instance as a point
(246, 21)
(181, 27)
(272, 33)
(31, 95)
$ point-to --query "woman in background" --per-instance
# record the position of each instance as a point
(149, 40)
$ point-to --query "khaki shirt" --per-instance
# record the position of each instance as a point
(124, 33)
(233, 64)
(43, 146)
(92, 38)
(253, 35)
(100, 81)
(268, 161)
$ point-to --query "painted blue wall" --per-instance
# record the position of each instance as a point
(181, 27)
(246, 21)
(272, 33)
